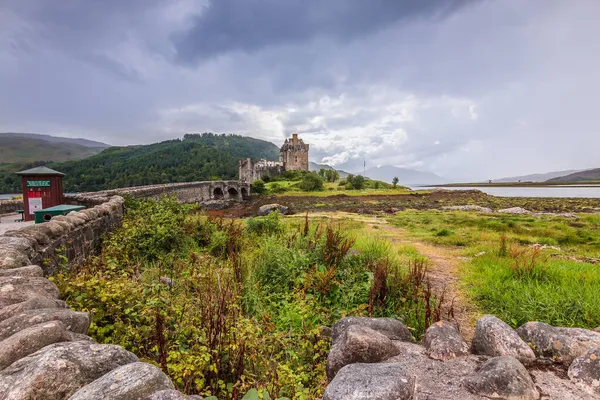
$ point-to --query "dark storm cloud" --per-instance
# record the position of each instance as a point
(252, 25)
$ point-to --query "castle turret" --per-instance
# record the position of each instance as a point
(294, 154)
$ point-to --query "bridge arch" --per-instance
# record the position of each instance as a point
(233, 193)
(245, 195)
(218, 193)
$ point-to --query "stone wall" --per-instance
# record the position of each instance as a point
(10, 206)
(45, 352)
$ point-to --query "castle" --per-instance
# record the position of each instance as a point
(293, 156)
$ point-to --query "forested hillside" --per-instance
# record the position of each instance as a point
(196, 157)
(21, 149)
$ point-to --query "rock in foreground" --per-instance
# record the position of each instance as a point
(493, 337)
(502, 378)
(371, 382)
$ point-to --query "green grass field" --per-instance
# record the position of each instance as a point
(521, 268)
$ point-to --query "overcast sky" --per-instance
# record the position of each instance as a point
(467, 89)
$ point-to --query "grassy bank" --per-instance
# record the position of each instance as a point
(521, 268)
(223, 306)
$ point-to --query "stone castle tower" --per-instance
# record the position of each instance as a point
(294, 154)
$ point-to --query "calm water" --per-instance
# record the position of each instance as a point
(547, 191)
(7, 196)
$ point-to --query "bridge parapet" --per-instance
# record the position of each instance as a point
(186, 192)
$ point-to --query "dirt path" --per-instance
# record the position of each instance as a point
(443, 270)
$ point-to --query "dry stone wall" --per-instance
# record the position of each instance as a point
(45, 352)
(10, 206)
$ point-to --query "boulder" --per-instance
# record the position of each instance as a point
(30, 340)
(493, 337)
(469, 207)
(502, 378)
(15, 289)
(29, 270)
(168, 394)
(12, 258)
(443, 341)
(597, 329)
(371, 382)
(585, 370)
(514, 210)
(57, 371)
(359, 344)
(78, 322)
(129, 382)
(392, 328)
(269, 208)
(562, 345)
(33, 303)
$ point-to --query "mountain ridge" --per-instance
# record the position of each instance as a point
(405, 176)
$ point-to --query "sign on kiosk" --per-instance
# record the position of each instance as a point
(35, 204)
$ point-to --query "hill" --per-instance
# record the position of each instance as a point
(580, 176)
(406, 176)
(194, 158)
(23, 148)
(55, 139)
(314, 167)
(537, 177)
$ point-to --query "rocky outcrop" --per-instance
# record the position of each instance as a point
(493, 337)
(442, 367)
(469, 207)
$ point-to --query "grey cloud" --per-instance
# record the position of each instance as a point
(252, 25)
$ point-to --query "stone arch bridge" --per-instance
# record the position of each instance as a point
(186, 192)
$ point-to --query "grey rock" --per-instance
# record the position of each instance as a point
(74, 321)
(443, 341)
(585, 370)
(56, 371)
(562, 345)
(29, 270)
(371, 382)
(33, 303)
(12, 258)
(30, 340)
(269, 208)
(359, 344)
(15, 289)
(493, 337)
(129, 382)
(597, 329)
(392, 328)
(469, 207)
(502, 378)
(514, 210)
(170, 394)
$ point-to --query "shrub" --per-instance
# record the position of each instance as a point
(311, 182)
(277, 188)
(258, 187)
(269, 224)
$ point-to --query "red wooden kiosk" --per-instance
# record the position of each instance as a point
(42, 188)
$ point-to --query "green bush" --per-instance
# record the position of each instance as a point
(269, 224)
(258, 187)
(311, 182)
(355, 182)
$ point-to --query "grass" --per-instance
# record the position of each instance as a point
(290, 188)
(517, 281)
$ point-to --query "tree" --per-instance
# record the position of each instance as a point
(355, 182)
(331, 175)
(322, 173)
(395, 181)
